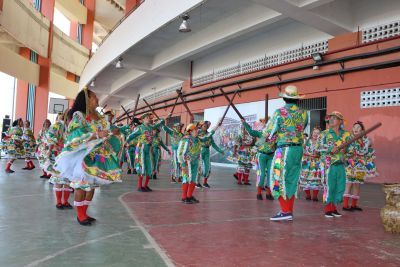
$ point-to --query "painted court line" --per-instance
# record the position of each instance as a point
(151, 240)
(52, 256)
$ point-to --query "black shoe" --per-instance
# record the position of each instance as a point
(235, 176)
(259, 197)
(91, 219)
(347, 209)
(308, 198)
(173, 181)
(26, 168)
(188, 201)
(142, 189)
(84, 222)
(43, 176)
(336, 214)
(129, 172)
(155, 176)
(148, 189)
(269, 197)
(207, 185)
(328, 215)
(10, 171)
(194, 200)
(315, 199)
(183, 200)
(247, 183)
(60, 206)
(356, 208)
(199, 185)
(67, 206)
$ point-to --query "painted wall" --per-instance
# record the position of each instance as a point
(343, 96)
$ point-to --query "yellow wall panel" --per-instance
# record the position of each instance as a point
(27, 25)
(17, 66)
(61, 85)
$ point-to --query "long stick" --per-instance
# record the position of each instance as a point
(127, 113)
(151, 109)
(232, 105)
(227, 108)
(186, 106)
(266, 107)
(136, 104)
(359, 136)
(173, 107)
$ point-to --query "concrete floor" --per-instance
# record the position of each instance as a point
(229, 227)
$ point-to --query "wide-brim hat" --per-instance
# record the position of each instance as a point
(190, 127)
(291, 92)
(336, 114)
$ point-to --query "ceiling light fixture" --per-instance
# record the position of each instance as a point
(119, 64)
(185, 24)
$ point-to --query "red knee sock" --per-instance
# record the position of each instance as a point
(191, 189)
(246, 177)
(85, 206)
(80, 210)
(185, 188)
(333, 207)
(239, 176)
(315, 194)
(205, 180)
(308, 194)
(259, 190)
(268, 191)
(354, 202)
(140, 181)
(121, 164)
(346, 201)
(290, 203)
(327, 207)
(44, 173)
(58, 195)
(146, 182)
(8, 166)
(31, 165)
(284, 205)
(67, 192)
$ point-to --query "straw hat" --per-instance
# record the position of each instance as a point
(291, 92)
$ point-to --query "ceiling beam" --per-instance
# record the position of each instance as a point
(306, 17)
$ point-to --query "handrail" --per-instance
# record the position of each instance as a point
(122, 20)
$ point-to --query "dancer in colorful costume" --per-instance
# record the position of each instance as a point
(205, 152)
(143, 133)
(43, 147)
(242, 155)
(156, 145)
(335, 174)
(55, 138)
(359, 166)
(287, 126)
(265, 154)
(176, 135)
(189, 150)
(29, 146)
(14, 144)
(87, 159)
(312, 168)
